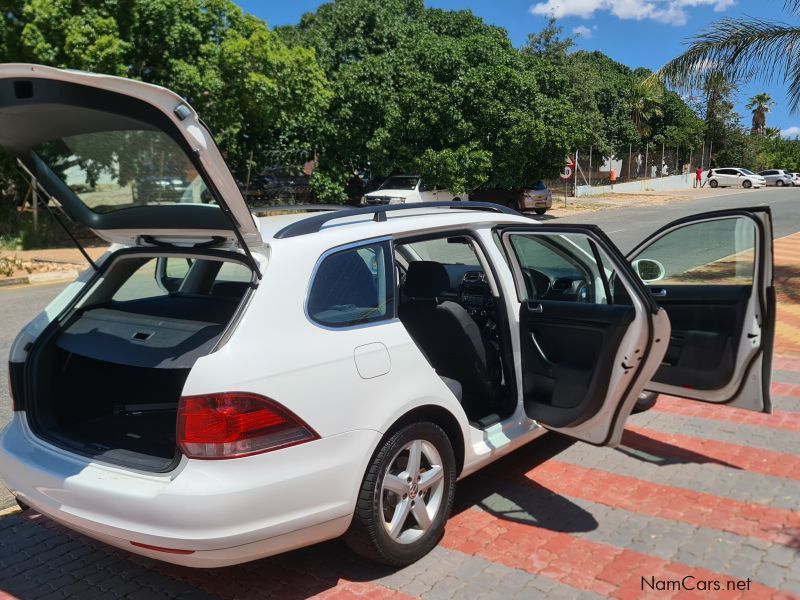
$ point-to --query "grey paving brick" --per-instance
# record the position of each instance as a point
(785, 403)
(701, 547)
(708, 478)
(721, 431)
(786, 376)
(471, 577)
(60, 566)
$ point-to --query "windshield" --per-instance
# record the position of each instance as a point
(399, 182)
(747, 171)
(112, 170)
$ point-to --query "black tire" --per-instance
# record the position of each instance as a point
(713, 183)
(540, 211)
(456, 199)
(747, 184)
(368, 535)
(646, 401)
(779, 183)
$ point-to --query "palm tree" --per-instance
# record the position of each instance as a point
(739, 49)
(645, 101)
(759, 105)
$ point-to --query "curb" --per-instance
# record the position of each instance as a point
(39, 278)
(11, 510)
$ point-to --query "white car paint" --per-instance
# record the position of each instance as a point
(735, 177)
(350, 384)
(389, 194)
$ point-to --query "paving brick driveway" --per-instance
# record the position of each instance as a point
(707, 492)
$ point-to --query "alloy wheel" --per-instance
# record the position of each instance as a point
(412, 491)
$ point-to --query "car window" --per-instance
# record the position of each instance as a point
(115, 170)
(561, 267)
(448, 251)
(716, 252)
(141, 284)
(747, 171)
(353, 287)
(232, 271)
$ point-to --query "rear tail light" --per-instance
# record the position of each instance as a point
(234, 424)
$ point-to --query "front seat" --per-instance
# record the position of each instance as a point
(447, 335)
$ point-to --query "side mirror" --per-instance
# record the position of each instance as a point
(648, 269)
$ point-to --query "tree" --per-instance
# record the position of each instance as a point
(759, 105)
(740, 49)
(256, 93)
(645, 101)
(549, 43)
(437, 92)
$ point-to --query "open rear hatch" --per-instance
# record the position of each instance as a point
(132, 162)
(127, 159)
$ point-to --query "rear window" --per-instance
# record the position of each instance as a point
(157, 277)
(113, 170)
(353, 286)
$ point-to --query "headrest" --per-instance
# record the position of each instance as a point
(426, 279)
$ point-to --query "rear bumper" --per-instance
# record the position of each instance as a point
(225, 512)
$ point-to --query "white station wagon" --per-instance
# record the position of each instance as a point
(220, 387)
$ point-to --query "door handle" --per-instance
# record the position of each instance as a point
(659, 293)
(537, 309)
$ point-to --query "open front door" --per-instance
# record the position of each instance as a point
(590, 336)
(712, 273)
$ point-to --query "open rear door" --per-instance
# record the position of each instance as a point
(712, 273)
(590, 336)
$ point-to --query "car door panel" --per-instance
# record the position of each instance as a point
(706, 324)
(585, 358)
(722, 309)
(565, 368)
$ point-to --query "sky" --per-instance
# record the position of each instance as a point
(638, 33)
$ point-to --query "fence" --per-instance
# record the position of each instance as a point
(651, 162)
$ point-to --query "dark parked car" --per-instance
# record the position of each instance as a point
(536, 197)
(278, 184)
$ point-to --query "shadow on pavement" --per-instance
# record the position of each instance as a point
(647, 449)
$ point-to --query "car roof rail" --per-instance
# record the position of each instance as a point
(259, 211)
(315, 223)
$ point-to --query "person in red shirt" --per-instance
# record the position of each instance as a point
(698, 176)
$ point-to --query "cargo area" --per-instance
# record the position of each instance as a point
(107, 379)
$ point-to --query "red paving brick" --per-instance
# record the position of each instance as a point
(689, 408)
(781, 388)
(698, 450)
(668, 502)
(579, 563)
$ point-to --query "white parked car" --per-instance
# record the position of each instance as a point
(777, 177)
(221, 387)
(403, 189)
(795, 178)
(735, 177)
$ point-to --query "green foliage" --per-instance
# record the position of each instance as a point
(459, 170)
(773, 152)
(328, 187)
(256, 94)
(438, 92)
